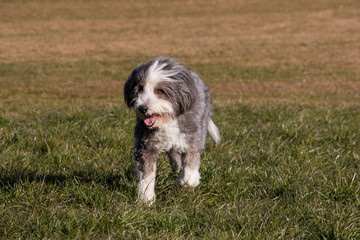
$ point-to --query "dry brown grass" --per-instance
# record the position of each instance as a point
(243, 33)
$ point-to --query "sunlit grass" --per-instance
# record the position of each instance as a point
(285, 82)
(278, 172)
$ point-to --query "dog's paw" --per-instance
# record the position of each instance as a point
(146, 188)
(148, 200)
(189, 177)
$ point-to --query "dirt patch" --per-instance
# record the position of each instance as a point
(247, 33)
(199, 31)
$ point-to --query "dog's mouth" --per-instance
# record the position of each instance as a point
(150, 120)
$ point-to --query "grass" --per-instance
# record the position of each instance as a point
(288, 172)
(285, 82)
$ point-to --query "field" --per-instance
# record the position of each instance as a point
(285, 82)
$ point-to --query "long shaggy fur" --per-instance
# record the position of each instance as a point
(173, 106)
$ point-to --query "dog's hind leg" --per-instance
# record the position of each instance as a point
(175, 160)
(189, 174)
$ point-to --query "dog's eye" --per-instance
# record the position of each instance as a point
(159, 91)
(140, 88)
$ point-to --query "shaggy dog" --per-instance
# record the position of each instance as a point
(173, 106)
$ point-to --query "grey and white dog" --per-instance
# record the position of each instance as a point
(173, 106)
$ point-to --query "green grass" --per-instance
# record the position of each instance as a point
(60, 83)
(285, 82)
(279, 172)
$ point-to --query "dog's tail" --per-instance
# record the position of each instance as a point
(214, 131)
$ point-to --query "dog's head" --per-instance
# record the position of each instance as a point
(160, 90)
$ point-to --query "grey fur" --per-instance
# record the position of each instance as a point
(191, 101)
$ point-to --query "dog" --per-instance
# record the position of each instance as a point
(172, 106)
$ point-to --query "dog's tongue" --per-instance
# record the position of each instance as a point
(149, 121)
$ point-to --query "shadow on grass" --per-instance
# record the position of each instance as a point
(112, 180)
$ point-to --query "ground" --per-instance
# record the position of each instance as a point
(285, 82)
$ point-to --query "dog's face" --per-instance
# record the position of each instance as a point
(159, 90)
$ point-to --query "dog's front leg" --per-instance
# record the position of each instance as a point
(145, 174)
(190, 168)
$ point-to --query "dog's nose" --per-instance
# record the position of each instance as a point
(143, 109)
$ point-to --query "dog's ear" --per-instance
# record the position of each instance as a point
(187, 91)
(129, 88)
(186, 98)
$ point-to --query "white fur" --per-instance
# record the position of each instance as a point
(214, 131)
(156, 105)
(147, 189)
(156, 73)
(170, 137)
(148, 97)
(190, 177)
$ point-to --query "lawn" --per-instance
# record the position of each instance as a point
(285, 81)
